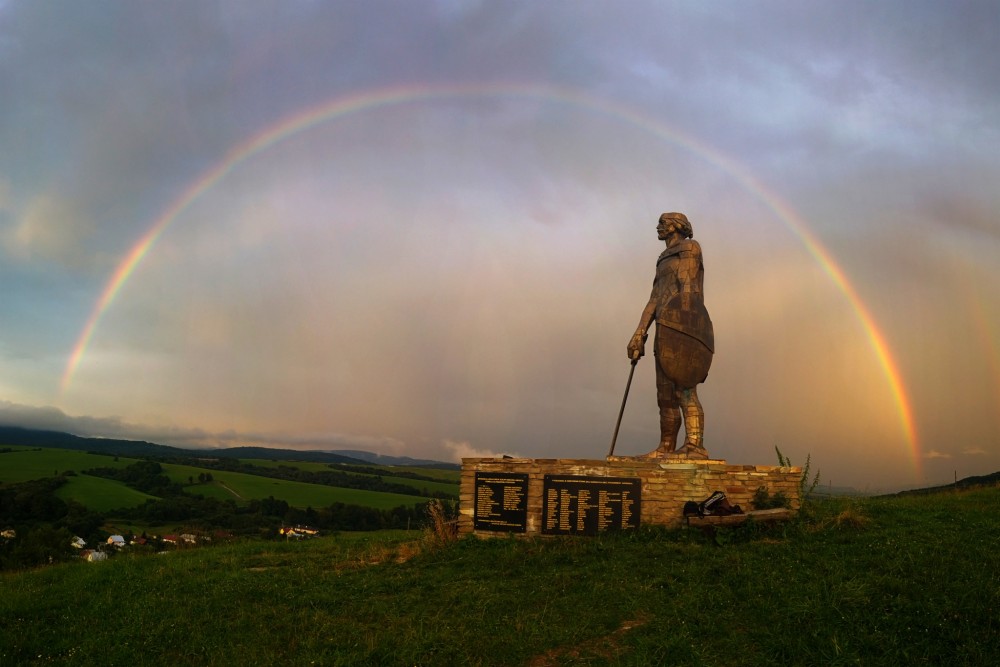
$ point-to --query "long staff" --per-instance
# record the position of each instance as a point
(614, 438)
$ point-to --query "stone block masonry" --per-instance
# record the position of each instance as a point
(665, 486)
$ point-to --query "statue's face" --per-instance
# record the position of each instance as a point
(663, 229)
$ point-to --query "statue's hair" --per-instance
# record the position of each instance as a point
(678, 222)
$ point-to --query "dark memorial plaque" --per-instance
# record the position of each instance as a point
(580, 505)
(501, 502)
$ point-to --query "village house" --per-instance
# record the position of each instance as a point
(93, 556)
(298, 532)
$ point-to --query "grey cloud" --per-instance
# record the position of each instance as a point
(840, 78)
(486, 255)
(54, 419)
(958, 213)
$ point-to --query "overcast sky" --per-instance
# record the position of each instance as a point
(428, 228)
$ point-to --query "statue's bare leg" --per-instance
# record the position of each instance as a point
(670, 414)
(694, 422)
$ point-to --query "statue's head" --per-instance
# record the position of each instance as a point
(676, 222)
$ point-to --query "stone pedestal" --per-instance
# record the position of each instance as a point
(564, 496)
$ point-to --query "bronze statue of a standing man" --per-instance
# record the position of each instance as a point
(685, 340)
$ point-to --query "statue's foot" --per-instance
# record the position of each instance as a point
(660, 452)
(693, 451)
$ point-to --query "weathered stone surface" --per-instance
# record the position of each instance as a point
(666, 486)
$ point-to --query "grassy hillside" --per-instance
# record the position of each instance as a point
(309, 466)
(441, 474)
(240, 486)
(100, 494)
(878, 581)
(25, 464)
(423, 485)
(448, 478)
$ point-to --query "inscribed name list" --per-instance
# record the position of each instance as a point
(576, 504)
(501, 502)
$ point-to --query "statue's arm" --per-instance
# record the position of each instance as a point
(688, 268)
(648, 313)
(637, 344)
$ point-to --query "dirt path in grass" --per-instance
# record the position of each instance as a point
(608, 648)
(226, 487)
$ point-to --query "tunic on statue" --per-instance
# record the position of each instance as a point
(685, 338)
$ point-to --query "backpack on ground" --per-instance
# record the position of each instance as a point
(715, 505)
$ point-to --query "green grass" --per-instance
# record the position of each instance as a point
(899, 581)
(307, 466)
(100, 494)
(242, 486)
(27, 464)
(452, 476)
(310, 466)
(448, 484)
(421, 485)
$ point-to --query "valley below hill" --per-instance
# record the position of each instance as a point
(881, 581)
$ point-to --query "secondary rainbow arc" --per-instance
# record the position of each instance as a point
(368, 100)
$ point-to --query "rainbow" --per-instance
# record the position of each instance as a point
(369, 100)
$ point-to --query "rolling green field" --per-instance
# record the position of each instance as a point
(452, 476)
(875, 581)
(26, 464)
(308, 466)
(447, 484)
(94, 492)
(427, 487)
(101, 494)
(241, 486)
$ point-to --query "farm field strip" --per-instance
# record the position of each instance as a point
(306, 466)
(446, 485)
(99, 494)
(429, 487)
(296, 494)
(444, 475)
(24, 465)
(441, 474)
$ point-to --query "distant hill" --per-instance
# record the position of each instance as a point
(385, 460)
(272, 454)
(25, 437)
(836, 491)
(993, 479)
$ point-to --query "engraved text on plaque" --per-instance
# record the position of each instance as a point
(575, 504)
(501, 501)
